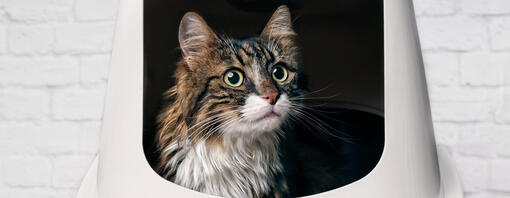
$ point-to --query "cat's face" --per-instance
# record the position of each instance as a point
(238, 87)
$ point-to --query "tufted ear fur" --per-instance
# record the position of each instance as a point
(280, 24)
(195, 36)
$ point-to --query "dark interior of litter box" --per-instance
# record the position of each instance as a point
(342, 47)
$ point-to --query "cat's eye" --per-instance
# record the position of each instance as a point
(233, 78)
(279, 73)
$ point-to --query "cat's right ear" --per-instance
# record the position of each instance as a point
(195, 36)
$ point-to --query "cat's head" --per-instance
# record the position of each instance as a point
(237, 86)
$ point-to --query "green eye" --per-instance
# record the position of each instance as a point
(233, 78)
(280, 73)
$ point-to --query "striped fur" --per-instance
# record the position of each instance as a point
(213, 137)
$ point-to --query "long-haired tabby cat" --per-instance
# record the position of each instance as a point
(220, 135)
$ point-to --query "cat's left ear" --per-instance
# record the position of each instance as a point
(280, 24)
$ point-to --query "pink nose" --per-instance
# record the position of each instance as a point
(271, 97)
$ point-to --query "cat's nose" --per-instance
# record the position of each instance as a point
(271, 97)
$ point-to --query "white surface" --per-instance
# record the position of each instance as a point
(408, 166)
(450, 181)
(471, 112)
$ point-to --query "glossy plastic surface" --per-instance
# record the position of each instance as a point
(408, 167)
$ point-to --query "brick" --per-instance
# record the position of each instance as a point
(30, 39)
(39, 71)
(24, 104)
(36, 192)
(473, 173)
(92, 10)
(40, 138)
(16, 138)
(458, 94)
(94, 69)
(485, 140)
(472, 142)
(483, 68)
(30, 11)
(27, 171)
(3, 39)
(486, 195)
(84, 38)
(57, 138)
(441, 68)
(485, 7)
(2, 184)
(90, 137)
(507, 74)
(457, 111)
(499, 29)
(499, 175)
(76, 104)
(70, 170)
(503, 110)
(3, 15)
(446, 133)
(436, 7)
(452, 33)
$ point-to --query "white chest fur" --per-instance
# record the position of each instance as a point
(242, 168)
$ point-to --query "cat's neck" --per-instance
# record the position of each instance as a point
(218, 168)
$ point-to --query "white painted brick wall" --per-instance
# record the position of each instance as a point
(54, 57)
(30, 39)
(68, 170)
(27, 171)
(486, 7)
(39, 71)
(466, 48)
(38, 11)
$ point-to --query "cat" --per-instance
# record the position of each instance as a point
(220, 134)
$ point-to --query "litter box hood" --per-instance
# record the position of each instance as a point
(410, 165)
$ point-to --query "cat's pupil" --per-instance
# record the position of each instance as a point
(233, 77)
(278, 73)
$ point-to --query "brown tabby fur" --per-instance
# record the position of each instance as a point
(200, 91)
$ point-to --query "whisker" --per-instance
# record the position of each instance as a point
(215, 129)
(318, 111)
(314, 98)
(209, 118)
(319, 124)
(208, 129)
(319, 90)
(297, 120)
(220, 109)
(208, 121)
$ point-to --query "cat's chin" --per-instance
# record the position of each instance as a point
(266, 124)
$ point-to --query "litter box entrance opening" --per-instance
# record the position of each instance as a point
(343, 59)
